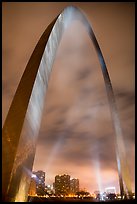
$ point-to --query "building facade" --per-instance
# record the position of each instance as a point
(74, 186)
(40, 182)
(62, 184)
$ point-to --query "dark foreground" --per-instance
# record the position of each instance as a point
(66, 200)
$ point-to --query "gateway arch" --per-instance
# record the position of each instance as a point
(21, 127)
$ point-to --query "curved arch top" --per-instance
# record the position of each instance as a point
(21, 127)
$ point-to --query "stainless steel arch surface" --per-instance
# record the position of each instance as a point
(21, 127)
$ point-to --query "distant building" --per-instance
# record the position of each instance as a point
(62, 184)
(40, 177)
(40, 182)
(74, 185)
(32, 188)
(110, 190)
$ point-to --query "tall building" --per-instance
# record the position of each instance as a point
(40, 177)
(40, 182)
(74, 185)
(62, 184)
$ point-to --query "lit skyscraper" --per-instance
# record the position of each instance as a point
(40, 177)
(40, 182)
(74, 185)
(62, 184)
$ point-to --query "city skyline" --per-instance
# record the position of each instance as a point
(76, 128)
(71, 178)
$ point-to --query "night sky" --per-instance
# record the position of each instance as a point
(76, 135)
